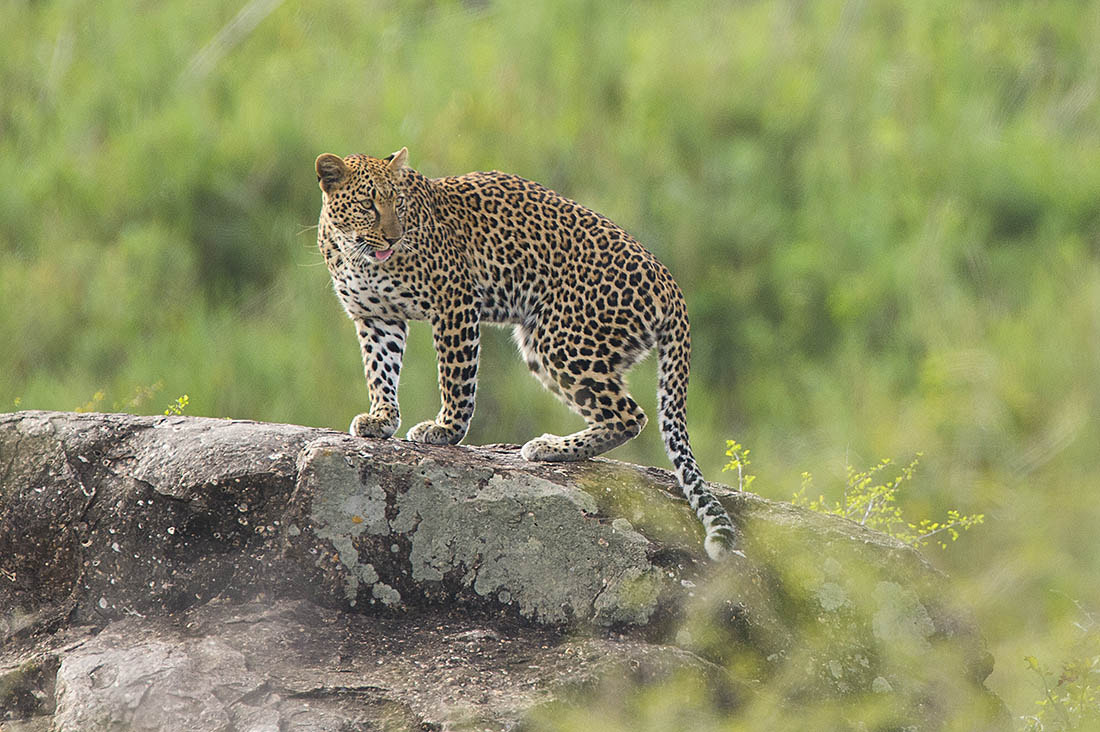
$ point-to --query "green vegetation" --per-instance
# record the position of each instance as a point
(870, 504)
(875, 505)
(177, 407)
(885, 216)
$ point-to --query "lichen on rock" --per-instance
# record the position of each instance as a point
(498, 534)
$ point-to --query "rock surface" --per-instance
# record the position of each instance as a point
(178, 573)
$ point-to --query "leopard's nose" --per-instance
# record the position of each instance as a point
(392, 241)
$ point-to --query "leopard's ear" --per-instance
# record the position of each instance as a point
(399, 161)
(331, 171)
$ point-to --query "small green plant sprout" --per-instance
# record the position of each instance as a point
(18, 401)
(872, 502)
(739, 461)
(176, 408)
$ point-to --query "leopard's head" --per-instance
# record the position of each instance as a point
(364, 200)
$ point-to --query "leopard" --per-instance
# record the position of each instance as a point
(584, 299)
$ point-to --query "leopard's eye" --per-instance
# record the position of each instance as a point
(368, 208)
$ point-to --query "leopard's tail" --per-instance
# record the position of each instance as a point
(673, 358)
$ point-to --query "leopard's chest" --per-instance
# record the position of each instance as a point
(375, 292)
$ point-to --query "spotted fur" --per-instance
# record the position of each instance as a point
(585, 300)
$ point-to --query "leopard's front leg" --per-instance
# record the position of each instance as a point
(457, 337)
(382, 343)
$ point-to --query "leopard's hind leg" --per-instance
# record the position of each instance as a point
(587, 375)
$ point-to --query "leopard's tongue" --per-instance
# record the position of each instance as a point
(383, 255)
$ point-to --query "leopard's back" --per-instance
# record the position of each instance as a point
(530, 248)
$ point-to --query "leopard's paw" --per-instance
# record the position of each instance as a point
(550, 448)
(364, 425)
(434, 433)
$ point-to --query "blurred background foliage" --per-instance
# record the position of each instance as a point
(885, 216)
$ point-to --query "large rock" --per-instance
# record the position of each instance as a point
(290, 665)
(169, 573)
